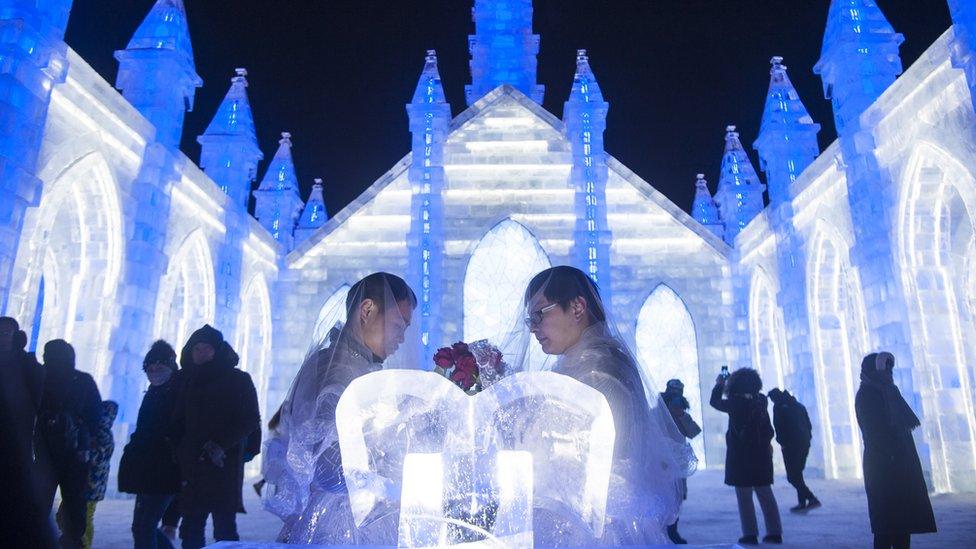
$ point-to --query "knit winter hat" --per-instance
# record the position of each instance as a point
(207, 334)
(161, 352)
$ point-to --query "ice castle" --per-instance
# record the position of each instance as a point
(111, 237)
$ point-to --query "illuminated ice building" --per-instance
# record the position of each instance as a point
(111, 237)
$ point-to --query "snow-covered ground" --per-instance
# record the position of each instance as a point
(709, 517)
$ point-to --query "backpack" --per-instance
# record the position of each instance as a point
(60, 430)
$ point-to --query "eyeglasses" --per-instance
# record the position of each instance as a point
(533, 320)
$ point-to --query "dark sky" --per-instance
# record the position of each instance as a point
(337, 73)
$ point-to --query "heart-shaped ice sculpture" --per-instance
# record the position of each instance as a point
(536, 435)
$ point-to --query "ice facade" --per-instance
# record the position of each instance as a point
(112, 237)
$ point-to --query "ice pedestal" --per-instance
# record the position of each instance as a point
(469, 470)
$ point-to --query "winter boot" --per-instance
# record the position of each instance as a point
(749, 540)
(674, 536)
(773, 538)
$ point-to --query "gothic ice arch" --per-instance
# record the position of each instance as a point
(936, 257)
(839, 343)
(332, 311)
(254, 342)
(766, 331)
(186, 291)
(76, 248)
(500, 268)
(667, 347)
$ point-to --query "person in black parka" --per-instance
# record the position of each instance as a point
(69, 416)
(898, 499)
(148, 467)
(794, 433)
(216, 414)
(749, 452)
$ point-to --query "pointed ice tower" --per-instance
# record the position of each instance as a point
(156, 70)
(314, 214)
(787, 144)
(278, 203)
(705, 210)
(585, 116)
(787, 141)
(740, 193)
(229, 151)
(430, 116)
(964, 41)
(503, 49)
(859, 58)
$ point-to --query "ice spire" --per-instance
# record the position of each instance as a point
(314, 215)
(430, 118)
(859, 58)
(964, 40)
(278, 203)
(503, 49)
(229, 147)
(739, 195)
(585, 115)
(156, 70)
(787, 141)
(704, 209)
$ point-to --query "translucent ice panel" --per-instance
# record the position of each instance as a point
(668, 348)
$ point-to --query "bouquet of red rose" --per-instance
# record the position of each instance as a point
(471, 367)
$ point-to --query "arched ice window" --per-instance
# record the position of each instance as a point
(667, 348)
(500, 268)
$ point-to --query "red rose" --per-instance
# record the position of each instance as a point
(463, 378)
(466, 363)
(460, 349)
(444, 358)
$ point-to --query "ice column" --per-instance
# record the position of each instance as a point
(740, 193)
(859, 60)
(503, 49)
(705, 210)
(787, 144)
(156, 70)
(430, 116)
(585, 115)
(34, 60)
(314, 214)
(229, 155)
(277, 202)
(964, 43)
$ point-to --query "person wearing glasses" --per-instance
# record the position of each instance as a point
(567, 317)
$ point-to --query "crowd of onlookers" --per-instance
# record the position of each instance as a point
(898, 501)
(198, 424)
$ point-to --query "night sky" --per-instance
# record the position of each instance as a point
(337, 73)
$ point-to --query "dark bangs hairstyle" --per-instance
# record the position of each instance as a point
(563, 284)
(374, 287)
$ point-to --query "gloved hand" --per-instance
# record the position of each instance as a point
(213, 452)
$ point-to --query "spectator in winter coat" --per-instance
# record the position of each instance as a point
(674, 398)
(19, 370)
(103, 445)
(898, 499)
(749, 452)
(70, 412)
(217, 412)
(148, 468)
(793, 433)
(21, 383)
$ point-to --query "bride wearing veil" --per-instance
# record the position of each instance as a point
(566, 316)
(303, 466)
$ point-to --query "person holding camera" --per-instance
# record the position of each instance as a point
(68, 419)
(794, 433)
(748, 451)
